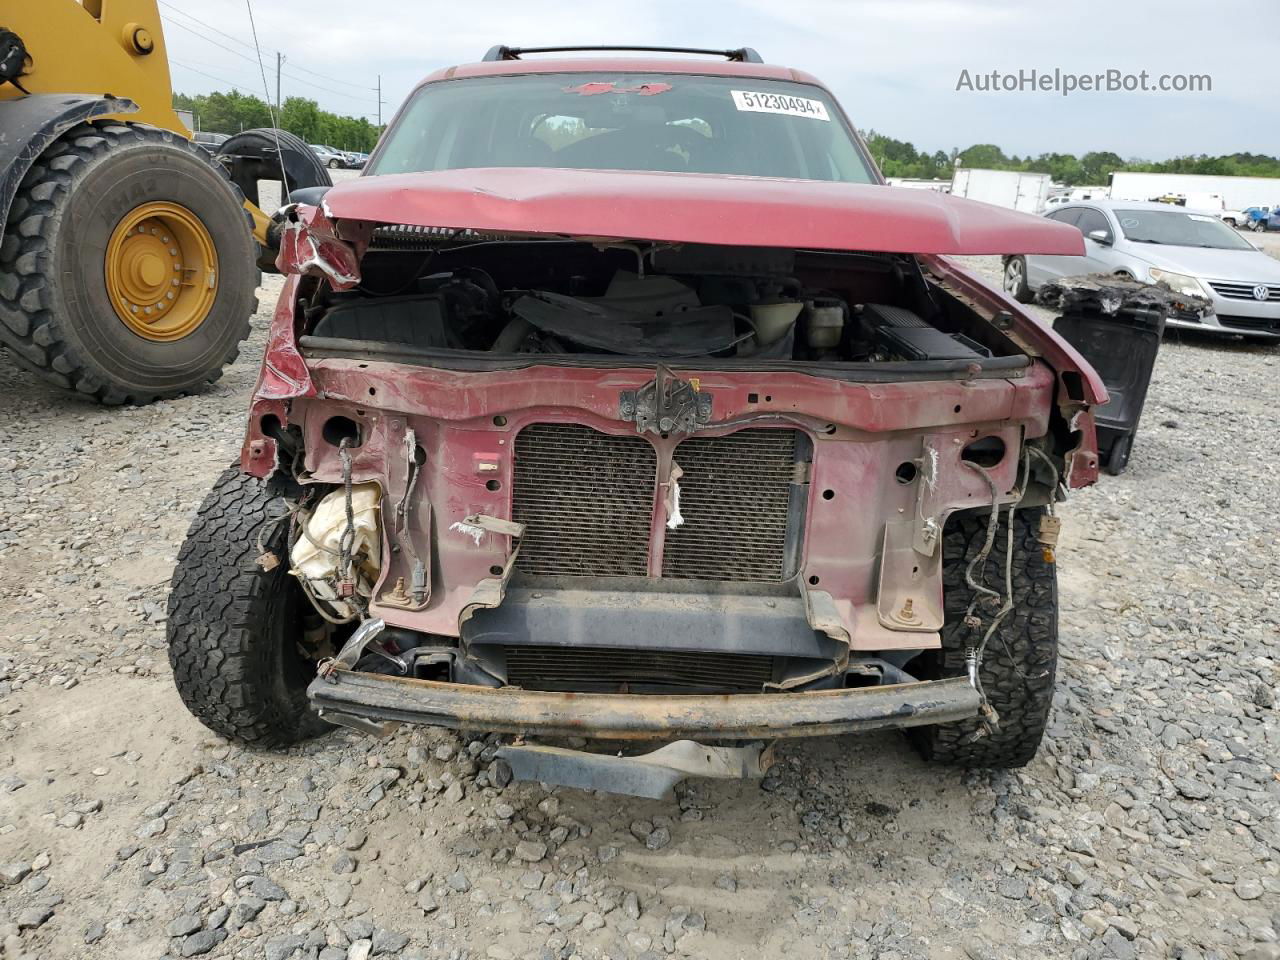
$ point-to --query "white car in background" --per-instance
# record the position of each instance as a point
(1191, 253)
(1234, 218)
(331, 158)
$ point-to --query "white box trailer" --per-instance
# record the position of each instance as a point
(1236, 192)
(1004, 188)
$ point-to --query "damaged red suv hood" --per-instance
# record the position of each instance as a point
(699, 208)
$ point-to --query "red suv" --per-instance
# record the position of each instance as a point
(622, 399)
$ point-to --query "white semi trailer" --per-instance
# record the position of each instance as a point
(1004, 188)
(1237, 193)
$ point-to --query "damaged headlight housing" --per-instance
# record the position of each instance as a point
(1179, 283)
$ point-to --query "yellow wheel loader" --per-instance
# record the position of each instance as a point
(129, 256)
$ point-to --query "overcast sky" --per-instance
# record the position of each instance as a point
(894, 64)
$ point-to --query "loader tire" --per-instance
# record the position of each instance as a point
(234, 629)
(1020, 661)
(58, 307)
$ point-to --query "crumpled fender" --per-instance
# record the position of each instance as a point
(312, 244)
(283, 376)
(1080, 388)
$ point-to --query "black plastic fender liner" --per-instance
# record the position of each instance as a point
(615, 716)
(32, 122)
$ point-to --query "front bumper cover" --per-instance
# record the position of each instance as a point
(345, 693)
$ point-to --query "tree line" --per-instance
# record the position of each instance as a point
(898, 158)
(235, 111)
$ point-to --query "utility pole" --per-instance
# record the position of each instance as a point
(279, 64)
(379, 99)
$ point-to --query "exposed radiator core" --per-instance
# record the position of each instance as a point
(587, 500)
(734, 497)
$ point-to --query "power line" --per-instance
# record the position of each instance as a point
(243, 43)
(187, 66)
(275, 125)
(192, 30)
(303, 80)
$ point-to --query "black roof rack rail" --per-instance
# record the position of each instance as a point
(740, 55)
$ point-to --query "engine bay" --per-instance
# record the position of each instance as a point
(577, 299)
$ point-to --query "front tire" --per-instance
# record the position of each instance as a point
(1015, 280)
(69, 256)
(334, 164)
(1020, 660)
(235, 630)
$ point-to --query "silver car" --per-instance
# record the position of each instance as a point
(331, 157)
(1191, 253)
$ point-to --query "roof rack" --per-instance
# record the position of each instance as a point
(740, 55)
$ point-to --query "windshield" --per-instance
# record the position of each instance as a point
(696, 124)
(1178, 229)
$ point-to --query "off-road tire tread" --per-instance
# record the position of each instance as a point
(1021, 659)
(28, 326)
(220, 645)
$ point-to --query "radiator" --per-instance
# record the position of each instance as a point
(587, 500)
(734, 497)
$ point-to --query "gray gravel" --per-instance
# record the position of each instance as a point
(1147, 826)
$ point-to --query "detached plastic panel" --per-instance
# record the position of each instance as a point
(1122, 347)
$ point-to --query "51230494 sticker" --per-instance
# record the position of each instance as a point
(783, 103)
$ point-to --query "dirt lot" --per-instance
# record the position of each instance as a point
(1147, 826)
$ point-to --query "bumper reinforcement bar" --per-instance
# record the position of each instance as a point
(610, 716)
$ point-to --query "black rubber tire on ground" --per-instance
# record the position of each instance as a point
(1020, 662)
(1019, 291)
(1118, 456)
(55, 314)
(334, 164)
(234, 628)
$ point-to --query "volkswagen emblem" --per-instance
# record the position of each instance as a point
(1260, 292)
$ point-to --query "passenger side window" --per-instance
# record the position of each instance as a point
(1066, 216)
(1091, 220)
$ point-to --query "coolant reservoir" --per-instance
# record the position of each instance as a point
(773, 320)
(826, 324)
(318, 561)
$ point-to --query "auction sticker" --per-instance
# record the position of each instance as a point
(779, 103)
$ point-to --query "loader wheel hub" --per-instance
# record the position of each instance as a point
(161, 271)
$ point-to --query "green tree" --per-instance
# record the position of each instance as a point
(1098, 166)
(302, 117)
(232, 112)
(984, 156)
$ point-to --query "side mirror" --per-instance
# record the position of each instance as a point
(1099, 236)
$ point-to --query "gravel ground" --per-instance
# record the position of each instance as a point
(1146, 827)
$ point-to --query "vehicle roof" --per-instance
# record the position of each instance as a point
(1133, 205)
(700, 66)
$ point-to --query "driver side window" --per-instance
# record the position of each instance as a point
(1091, 220)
